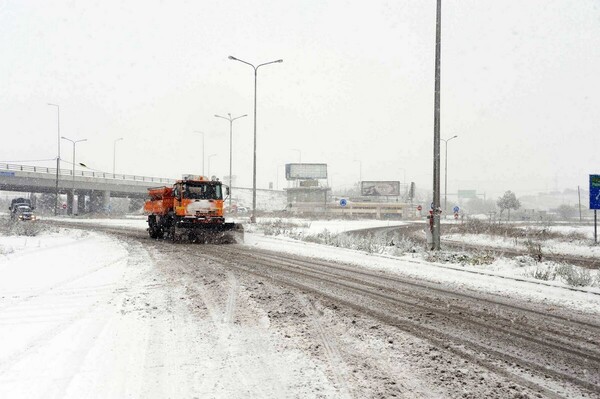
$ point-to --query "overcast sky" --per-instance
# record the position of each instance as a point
(520, 82)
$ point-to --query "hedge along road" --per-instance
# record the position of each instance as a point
(372, 333)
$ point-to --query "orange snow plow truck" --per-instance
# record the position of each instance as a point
(192, 209)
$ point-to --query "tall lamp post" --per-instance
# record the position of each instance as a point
(202, 133)
(230, 119)
(73, 205)
(58, 157)
(115, 153)
(446, 172)
(253, 216)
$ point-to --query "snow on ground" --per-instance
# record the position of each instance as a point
(86, 315)
(499, 277)
(575, 247)
(305, 226)
(586, 230)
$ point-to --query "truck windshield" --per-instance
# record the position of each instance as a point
(203, 191)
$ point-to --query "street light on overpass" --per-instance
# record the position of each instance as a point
(253, 216)
(115, 153)
(230, 119)
(58, 157)
(73, 173)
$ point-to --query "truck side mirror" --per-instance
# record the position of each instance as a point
(227, 190)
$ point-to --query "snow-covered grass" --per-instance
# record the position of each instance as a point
(537, 239)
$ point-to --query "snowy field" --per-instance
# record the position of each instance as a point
(574, 247)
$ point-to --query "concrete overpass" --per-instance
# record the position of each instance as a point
(97, 187)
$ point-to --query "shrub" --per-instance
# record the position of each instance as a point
(24, 228)
(543, 273)
(534, 249)
(574, 276)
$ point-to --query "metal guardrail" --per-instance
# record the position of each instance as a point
(83, 173)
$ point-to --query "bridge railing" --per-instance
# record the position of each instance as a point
(83, 173)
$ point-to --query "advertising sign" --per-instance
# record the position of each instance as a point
(467, 193)
(594, 191)
(298, 171)
(375, 188)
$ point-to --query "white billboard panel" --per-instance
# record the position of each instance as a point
(296, 171)
(374, 188)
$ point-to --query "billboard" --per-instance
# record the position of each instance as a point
(298, 171)
(467, 193)
(594, 191)
(374, 188)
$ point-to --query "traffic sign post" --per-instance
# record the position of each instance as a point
(595, 201)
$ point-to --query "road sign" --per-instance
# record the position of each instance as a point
(456, 209)
(594, 191)
(456, 216)
(419, 208)
(64, 206)
(343, 202)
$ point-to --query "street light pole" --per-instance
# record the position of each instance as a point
(58, 157)
(230, 119)
(202, 133)
(253, 216)
(73, 173)
(115, 154)
(209, 157)
(446, 172)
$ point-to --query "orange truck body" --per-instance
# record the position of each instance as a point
(193, 206)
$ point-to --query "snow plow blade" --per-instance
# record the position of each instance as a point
(225, 233)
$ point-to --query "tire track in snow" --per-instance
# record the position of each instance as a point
(337, 365)
(228, 316)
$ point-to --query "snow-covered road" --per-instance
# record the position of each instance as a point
(89, 314)
(84, 315)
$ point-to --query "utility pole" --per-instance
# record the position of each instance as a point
(436, 132)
